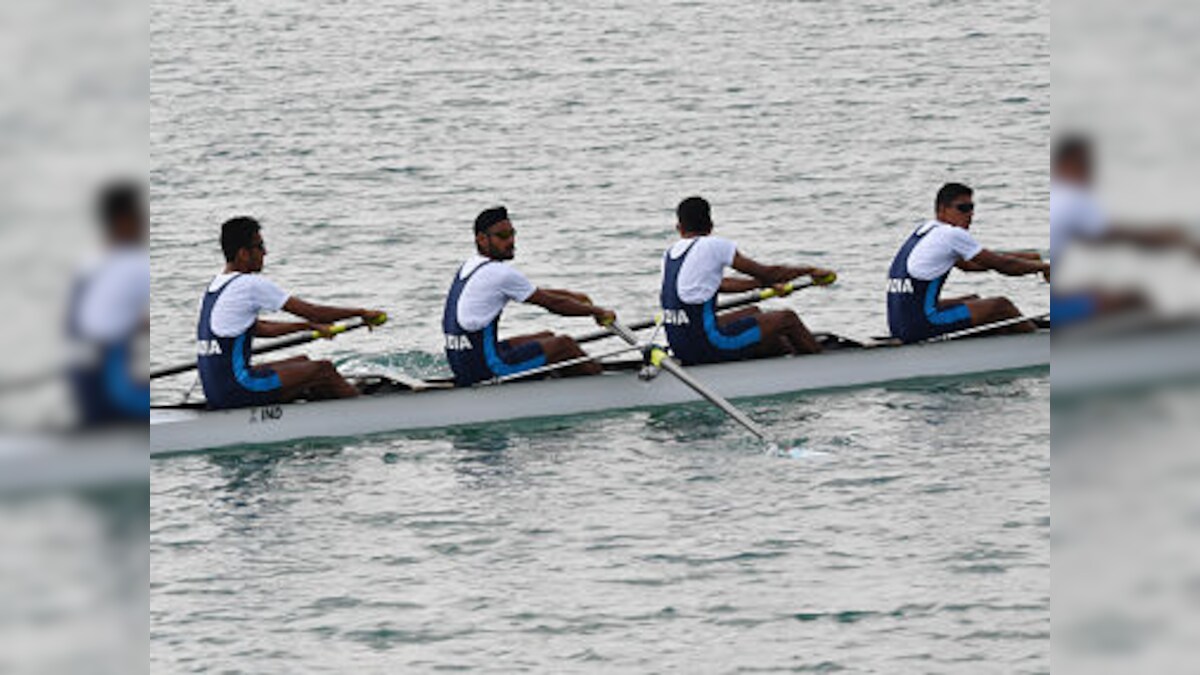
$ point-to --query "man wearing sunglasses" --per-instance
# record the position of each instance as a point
(1077, 220)
(229, 323)
(482, 287)
(916, 310)
(693, 275)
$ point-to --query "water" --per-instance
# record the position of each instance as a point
(911, 531)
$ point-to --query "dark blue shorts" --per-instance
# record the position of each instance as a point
(1069, 309)
(265, 391)
(509, 360)
(529, 351)
(945, 320)
(734, 341)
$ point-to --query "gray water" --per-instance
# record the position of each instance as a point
(910, 536)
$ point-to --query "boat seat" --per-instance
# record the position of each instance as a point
(370, 385)
(832, 343)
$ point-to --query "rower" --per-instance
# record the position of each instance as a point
(1076, 217)
(229, 322)
(482, 287)
(108, 316)
(693, 271)
(915, 309)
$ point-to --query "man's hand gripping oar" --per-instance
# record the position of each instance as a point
(776, 291)
(319, 332)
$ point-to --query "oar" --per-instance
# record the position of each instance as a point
(974, 330)
(294, 341)
(660, 359)
(559, 365)
(732, 303)
(1029, 253)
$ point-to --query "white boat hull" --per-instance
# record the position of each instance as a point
(183, 430)
(40, 463)
(1095, 363)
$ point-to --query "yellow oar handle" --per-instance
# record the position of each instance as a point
(789, 287)
(771, 293)
(333, 330)
(657, 354)
(339, 328)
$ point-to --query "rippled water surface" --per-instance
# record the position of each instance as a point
(910, 534)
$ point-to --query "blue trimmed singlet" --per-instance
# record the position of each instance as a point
(224, 363)
(476, 356)
(693, 330)
(913, 313)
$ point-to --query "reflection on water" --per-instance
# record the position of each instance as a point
(74, 581)
(1125, 477)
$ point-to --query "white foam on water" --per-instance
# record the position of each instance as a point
(795, 452)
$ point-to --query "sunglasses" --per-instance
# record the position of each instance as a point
(504, 235)
(965, 208)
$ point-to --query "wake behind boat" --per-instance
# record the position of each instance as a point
(419, 404)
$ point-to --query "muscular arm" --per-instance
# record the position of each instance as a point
(565, 305)
(767, 275)
(580, 297)
(1145, 236)
(1007, 265)
(270, 329)
(1027, 255)
(738, 285)
(324, 313)
(770, 275)
(971, 265)
(1152, 237)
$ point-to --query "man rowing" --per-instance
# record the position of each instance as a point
(109, 316)
(482, 287)
(1076, 217)
(916, 310)
(693, 275)
(229, 323)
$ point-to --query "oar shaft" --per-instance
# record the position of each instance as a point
(675, 369)
(550, 367)
(662, 360)
(975, 330)
(172, 370)
(732, 303)
(294, 341)
(305, 338)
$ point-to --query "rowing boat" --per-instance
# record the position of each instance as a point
(1124, 353)
(425, 405)
(49, 462)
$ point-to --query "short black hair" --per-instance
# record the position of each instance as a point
(237, 234)
(489, 217)
(1072, 147)
(695, 215)
(120, 200)
(950, 192)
